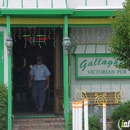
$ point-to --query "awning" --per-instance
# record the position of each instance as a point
(91, 49)
(58, 8)
(34, 7)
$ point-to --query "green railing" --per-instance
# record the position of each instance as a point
(113, 94)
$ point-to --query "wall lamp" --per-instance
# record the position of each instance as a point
(66, 44)
(9, 44)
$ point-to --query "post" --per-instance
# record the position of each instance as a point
(104, 116)
(9, 80)
(65, 75)
(77, 119)
(86, 124)
(73, 115)
(80, 115)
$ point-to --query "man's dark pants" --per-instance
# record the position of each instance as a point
(39, 94)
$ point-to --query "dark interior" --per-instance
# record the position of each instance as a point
(28, 44)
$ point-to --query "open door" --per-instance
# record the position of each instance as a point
(25, 51)
(24, 55)
(58, 80)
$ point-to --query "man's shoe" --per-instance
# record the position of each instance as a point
(39, 112)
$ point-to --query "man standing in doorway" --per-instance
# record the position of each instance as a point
(40, 76)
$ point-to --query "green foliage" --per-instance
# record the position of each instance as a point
(123, 111)
(94, 122)
(70, 121)
(3, 107)
(120, 39)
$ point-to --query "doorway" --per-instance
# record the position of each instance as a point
(28, 44)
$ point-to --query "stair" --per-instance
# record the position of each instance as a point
(39, 124)
(44, 124)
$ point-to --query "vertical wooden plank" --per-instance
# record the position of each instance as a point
(1, 57)
(58, 73)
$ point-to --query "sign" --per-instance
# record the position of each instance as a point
(123, 124)
(99, 66)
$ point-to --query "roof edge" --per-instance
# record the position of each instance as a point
(33, 11)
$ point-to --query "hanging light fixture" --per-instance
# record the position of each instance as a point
(25, 38)
(54, 38)
(19, 35)
(14, 35)
(31, 37)
(41, 37)
(39, 40)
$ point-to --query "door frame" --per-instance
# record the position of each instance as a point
(65, 76)
(2, 57)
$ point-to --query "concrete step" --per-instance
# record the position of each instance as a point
(44, 124)
(39, 124)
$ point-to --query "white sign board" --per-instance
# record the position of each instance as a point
(97, 66)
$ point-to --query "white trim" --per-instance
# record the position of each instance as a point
(3, 29)
(5, 59)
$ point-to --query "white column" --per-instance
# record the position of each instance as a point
(77, 118)
(73, 115)
(104, 116)
(80, 115)
(86, 124)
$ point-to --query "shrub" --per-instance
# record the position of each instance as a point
(120, 38)
(94, 121)
(122, 111)
(3, 107)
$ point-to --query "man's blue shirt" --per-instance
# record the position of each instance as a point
(40, 72)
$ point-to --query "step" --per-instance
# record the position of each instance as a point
(39, 128)
(44, 124)
(39, 124)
